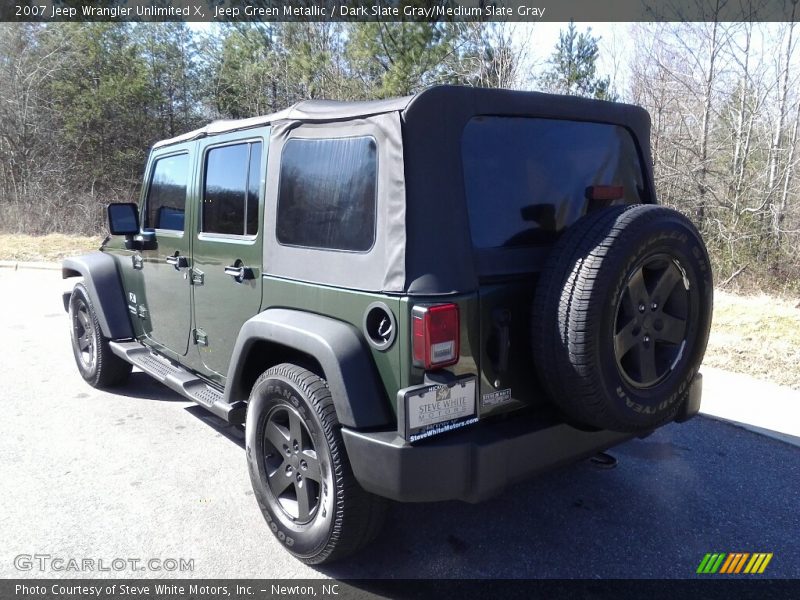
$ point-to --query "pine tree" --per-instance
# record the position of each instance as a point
(395, 59)
(573, 66)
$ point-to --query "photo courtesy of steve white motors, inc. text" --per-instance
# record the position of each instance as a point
(193, 590)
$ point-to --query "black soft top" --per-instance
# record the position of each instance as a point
(438, 231)
(424, 245)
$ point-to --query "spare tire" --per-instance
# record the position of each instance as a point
(621, 317)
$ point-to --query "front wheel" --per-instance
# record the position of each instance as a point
(299, 469)
(96, 362)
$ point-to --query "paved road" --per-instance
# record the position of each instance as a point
(142, 473)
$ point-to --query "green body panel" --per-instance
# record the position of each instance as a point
(475, 334)
(158, 294)
(166, 295)
(348, 306)
(395, 365)
(221, 304)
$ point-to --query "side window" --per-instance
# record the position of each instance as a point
(166, 197)
(231, 189)
(326, 195)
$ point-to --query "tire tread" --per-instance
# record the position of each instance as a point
(360, 515)
(565, 309)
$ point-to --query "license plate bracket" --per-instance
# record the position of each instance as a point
(432, 409)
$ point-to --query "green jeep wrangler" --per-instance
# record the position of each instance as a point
(416, 299)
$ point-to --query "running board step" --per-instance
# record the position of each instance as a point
(177, 378)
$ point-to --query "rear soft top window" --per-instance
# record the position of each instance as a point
(327, 193)
(526, 179)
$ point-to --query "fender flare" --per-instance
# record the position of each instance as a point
(352, 377)
(102, 281)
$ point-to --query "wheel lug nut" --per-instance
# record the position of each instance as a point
(303, 465)
(289, 470)
(653, 306)
(295, 445)
(646, 338)
(641, 308)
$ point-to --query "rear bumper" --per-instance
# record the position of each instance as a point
(480, 461)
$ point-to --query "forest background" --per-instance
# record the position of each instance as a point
(82, 103)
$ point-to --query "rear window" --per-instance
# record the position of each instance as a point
(326, 195)
(526, 179)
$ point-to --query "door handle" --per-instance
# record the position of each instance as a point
(179, 262)
(240, 273)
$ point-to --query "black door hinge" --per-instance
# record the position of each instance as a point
(200, 337)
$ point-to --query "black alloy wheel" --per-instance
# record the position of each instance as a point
(301, 476)
(96, 362)
(84, 335)
(621, 317)
(652, 321)
(295, 476)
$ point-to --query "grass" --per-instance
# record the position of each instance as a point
(757, 335)
(47, 248)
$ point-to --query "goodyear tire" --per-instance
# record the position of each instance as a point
(621, 317)
(299, 469)
(96, 362)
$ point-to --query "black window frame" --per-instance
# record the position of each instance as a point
(145, 217)
(374, 199)
(250, 141)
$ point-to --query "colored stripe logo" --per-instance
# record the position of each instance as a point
(732, 563)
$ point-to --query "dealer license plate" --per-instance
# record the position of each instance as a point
(438, 408)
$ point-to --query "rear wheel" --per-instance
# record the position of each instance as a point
(96, 362)
(299, 469)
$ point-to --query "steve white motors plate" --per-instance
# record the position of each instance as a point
(438, 408)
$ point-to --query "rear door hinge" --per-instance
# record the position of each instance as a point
(501, 336)
(200, 337)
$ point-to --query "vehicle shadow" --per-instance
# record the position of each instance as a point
(234, 433)
(687, 490)
(143, 387)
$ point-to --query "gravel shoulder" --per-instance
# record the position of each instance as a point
(756, 335)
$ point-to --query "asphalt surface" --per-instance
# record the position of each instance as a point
(141, 473)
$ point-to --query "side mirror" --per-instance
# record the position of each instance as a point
(123, 219)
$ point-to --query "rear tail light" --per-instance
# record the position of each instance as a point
(435, 335)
